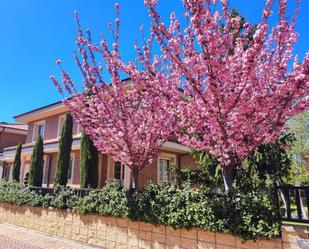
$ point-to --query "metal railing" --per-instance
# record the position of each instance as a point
(294, 203)
(79, 192)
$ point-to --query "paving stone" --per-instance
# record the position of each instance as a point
(12, 237)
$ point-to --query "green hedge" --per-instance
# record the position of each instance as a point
(252, 216)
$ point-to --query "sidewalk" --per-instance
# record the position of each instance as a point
(12, 237)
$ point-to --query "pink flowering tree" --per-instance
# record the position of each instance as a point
(130, 119)
(241, 82)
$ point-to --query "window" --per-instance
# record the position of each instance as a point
(41, 130)
(78, 129)
(38, 130)
(60, 125)
(70, 171)
(164, 167)
(119, 171)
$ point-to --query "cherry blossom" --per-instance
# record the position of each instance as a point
(128, 120)
(240, 82)
(222, 84)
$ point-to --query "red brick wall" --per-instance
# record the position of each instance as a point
(150, 173)
(146, 175)
(11, 139)
(76, 168)
(51, 127)
(50, 169)
(74, 127)
(103, 170)
(188, 161)
(30, 132)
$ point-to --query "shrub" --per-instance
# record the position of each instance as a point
(17, 164)
(88, 163)
(112, 200)
(37, 164)
(252, 216)
(64, 198)
(64, 156)
(15, 194)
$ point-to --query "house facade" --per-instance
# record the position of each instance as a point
(10, 135)
(47, 121)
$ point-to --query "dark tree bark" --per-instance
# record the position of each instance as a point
(228, 174)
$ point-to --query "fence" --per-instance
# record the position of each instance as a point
(293, 200)
(294, 203)
(79, 192)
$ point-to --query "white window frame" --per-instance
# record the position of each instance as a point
(36, 129)
(70, 181)
(61, 117)
(78, 128)
(165, 156)
(122, 172)
(111, 171)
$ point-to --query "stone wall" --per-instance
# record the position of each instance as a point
(117, 233)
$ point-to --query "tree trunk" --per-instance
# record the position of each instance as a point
(228, 174)
(134, 182)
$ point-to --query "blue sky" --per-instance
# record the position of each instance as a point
(34, 33)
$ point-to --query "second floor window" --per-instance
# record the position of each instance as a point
(60, 125)
(38, 130)
(41, 130)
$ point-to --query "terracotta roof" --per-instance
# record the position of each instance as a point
(37, 109)
(49, 105)
(49, 141)
(21, 127)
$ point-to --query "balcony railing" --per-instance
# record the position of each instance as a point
(79, 192)
(294, 203)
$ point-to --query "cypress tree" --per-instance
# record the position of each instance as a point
(37, 161)
(65, 146)
(17, 164)
(88, 163)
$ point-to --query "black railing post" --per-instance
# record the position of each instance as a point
(307, 200)
(286, 193)
(297, 199)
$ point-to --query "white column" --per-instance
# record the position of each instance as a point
(100, 170)
(127, 177)
(1, 170)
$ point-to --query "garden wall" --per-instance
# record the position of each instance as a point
(117, 233)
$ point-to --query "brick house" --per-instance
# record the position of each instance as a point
(10, 135)
(48, 120)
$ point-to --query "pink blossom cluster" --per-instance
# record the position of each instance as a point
(129, 119)
(221, 85)
(240, 90)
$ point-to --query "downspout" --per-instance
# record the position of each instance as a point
(179, 166)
